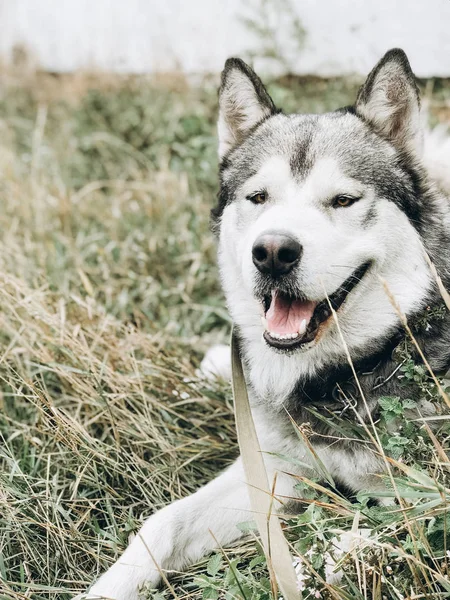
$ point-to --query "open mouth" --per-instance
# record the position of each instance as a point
(291, 322)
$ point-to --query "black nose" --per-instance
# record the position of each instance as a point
(276, 253)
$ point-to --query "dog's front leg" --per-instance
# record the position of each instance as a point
(180, 534)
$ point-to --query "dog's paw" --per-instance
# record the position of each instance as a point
(217, 363)
(93, 596)
(123, 581)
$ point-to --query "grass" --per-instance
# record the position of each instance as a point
(109, 296)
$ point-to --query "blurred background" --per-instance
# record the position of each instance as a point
(109, 292)
(305, 37)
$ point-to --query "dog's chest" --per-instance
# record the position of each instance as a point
(291, 448)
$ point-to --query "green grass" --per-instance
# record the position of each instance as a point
(109, 296)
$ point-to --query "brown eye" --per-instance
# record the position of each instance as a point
(257, 198)
(344, 201)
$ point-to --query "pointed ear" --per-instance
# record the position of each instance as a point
(243, 103)
(389, 101)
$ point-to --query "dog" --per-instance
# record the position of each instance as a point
(324, 225)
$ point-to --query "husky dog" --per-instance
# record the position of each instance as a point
(318, 215)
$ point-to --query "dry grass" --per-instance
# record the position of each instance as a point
(108, 297)
(108, 294)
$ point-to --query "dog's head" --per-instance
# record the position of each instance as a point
(315, 211)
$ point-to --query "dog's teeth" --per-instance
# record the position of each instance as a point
(264, 323)
(302, 327)
(282, 336)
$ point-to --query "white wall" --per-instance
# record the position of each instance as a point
(343, 36)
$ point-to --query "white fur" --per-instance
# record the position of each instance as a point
(217, 363)
(334, 244)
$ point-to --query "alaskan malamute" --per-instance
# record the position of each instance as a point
(317, 214)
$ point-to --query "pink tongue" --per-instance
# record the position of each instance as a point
(286, 316)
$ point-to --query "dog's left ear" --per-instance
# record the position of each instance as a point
(389, 102)
(243, 103)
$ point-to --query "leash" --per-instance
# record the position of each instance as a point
(275, 546)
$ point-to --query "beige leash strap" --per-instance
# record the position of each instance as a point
(262, 502)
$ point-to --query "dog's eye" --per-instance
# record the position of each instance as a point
(257, 198)
(344, 201)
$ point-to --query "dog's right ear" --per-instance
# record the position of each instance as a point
(243, 103)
